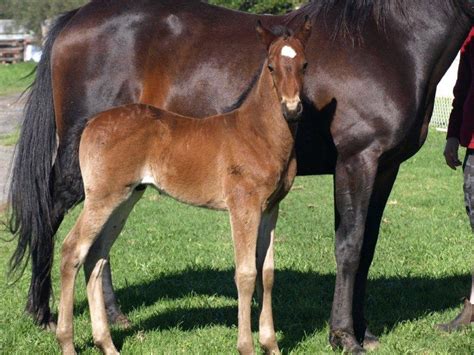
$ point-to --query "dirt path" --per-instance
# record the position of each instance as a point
(11, 107)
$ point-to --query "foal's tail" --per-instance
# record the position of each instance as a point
(30, 195)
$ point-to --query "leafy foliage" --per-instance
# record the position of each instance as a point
(259, 6)
(32, 13)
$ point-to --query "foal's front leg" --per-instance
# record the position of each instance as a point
(245, 220)
(265, 270)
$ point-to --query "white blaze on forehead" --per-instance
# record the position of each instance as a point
(289, 52)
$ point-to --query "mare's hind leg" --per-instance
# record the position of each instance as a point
(110, 233)
(381, 191)
(265, 277)
(245, 220)
(96, 261)
(67, 192)
(73, 253)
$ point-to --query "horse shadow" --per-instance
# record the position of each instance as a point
(301, 302)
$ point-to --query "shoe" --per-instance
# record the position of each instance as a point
(462, 319)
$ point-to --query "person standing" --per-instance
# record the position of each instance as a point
(461, 133)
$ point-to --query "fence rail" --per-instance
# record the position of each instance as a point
(11, 51)
(441, 112)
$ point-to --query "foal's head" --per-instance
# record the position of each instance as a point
(287, 63)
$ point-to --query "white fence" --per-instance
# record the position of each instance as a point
(444, 97)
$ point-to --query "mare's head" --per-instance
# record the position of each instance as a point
(468, 7)
(287, 64)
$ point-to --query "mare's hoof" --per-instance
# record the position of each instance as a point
(371, 342)
(121, 320)
(49, 327)
(47, 323)
(340, 339)
(273, 351)
(464, 318)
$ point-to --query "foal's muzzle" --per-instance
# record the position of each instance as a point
(292, 112)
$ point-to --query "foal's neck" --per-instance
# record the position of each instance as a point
(262, 105)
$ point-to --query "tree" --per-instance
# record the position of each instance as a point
(32, 13)
(259, 6)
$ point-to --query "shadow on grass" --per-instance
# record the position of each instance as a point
(301, 302)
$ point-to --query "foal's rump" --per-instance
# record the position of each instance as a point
(113, 146)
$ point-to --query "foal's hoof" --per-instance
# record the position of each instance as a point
(340, 339)
(371, 342)
(463, 319)
(121, 320)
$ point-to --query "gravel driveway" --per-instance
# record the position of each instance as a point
(11, 107)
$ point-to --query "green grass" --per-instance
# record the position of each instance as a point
(14, 77)
(173, 270)
(10, 139)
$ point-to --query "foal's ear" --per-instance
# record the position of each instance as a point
(265, 35)
(305, 31)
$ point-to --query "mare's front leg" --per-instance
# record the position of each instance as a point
(354, 181)
(265, 277)
(381, 191)
(245, 217)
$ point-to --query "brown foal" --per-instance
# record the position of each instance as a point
(242, 161)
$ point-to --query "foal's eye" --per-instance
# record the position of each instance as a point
(271, 68)
(305, 66)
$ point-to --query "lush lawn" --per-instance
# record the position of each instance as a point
(174, 273)
(10, 139)
(14, 77)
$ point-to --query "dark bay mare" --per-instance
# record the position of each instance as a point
(369, 94)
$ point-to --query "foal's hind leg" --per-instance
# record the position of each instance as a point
(245, 219)
(74, 251)
(68, 191)
(98, 259)
(101, 247)
(265, 271)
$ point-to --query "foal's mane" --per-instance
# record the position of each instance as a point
(279, 31)
(245, 93)
(348, 17)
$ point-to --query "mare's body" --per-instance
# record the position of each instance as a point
(369, 93)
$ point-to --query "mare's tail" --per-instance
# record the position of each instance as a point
(30, 197)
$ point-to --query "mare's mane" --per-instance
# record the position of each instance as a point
(347, 18)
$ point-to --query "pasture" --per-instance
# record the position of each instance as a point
(15, 77)
(173, 270)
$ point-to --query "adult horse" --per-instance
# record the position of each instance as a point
(370, 88)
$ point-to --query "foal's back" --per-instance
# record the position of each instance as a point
(195, 161)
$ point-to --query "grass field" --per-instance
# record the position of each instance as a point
(173, 271)
(10, 139)
(14, 77)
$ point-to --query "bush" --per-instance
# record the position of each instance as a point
(259, 6)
